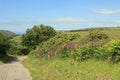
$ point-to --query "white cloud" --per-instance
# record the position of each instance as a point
(107, 11)
(70, 20)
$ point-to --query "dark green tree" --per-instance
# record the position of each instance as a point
(4, 44)
(36, 35)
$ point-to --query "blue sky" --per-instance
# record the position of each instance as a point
(18, 15)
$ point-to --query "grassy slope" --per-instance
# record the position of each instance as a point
(17, 39)
(113, 33)
(8, 33)
(58, 69)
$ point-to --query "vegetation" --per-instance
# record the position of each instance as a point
(76, 55)
(72, 45)
(13, 46)
(37, 35)
(17, 49)
(8, 33)
(69, 69)
(4, 44)
(97, 35)
(4, 48)
(112, 32)
(68, 55)
(111, 51)
(55, 44)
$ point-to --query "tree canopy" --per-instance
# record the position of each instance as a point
(36, 35)
(4, 44)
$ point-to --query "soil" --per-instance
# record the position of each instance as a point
(14, 70)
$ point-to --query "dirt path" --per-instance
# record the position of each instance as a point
(14, 70)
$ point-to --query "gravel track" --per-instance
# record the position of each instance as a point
(14, 70)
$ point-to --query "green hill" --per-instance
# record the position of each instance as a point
(98, 28)
(8, 33)
(76, 56)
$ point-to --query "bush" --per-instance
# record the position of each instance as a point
(64, 53)
(56, 44)
(67, 45)
(17, 49)
(85, 52)
(111, 51)
(37, 35)
(24, 50)
(97, 35)
(4, 44)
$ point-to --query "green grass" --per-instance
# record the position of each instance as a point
(113, 33)
(17, 39)
(1, 62)
(68, 69)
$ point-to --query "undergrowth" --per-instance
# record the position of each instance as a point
(66, 45)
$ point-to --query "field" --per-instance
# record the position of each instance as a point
(113, 33)
(69, 69)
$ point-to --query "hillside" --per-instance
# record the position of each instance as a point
(8, 33)
(67, 55)
(98, 28)
(76, 56)
(112, 32)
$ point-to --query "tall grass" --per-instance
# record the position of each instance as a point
(68, 69)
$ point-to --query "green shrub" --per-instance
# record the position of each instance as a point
(56, 44)
(85, 52)
(17, 49)
(111, 51)
(32, 53)
(70, 45)
(64, 53)
(97, 35)
(24, 50)
(37, 35)
(13, 48)
(4, 44)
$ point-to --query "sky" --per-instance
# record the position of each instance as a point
(19, 15)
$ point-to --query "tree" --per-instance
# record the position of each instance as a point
(36, 35)
(4, 44)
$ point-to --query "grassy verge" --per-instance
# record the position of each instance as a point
(1, 62)
(68, 69)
